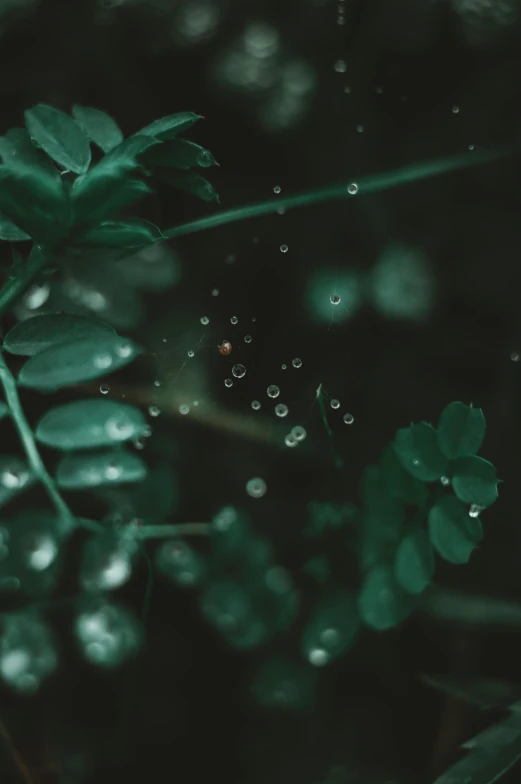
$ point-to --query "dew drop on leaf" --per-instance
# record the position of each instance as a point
(335, 299)
(104, 389)
(352, 189)
(103, 360)
(191, 353)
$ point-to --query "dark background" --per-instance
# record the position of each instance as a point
(184, 710)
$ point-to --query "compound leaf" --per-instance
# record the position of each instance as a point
(382, 603)
(98, 126)
(474, 481)
(461, 430)
(452, 531)
(416, 447)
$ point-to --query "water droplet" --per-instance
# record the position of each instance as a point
(299, 432)
(283, 248)
(290, 440)
(157, 382)
(103, 360)
(335, 403)
(228, 382)
(273, 391)
(247, 338)
(514, 356)
(297, 362)
(281, 410)
(255, 404)
(445, 480)
(475, 510)
(455, 110)
(277, 189)
(472, 147)
(154, 411)
(234, 320)
(283, 367)
(347, 89)
(14, 477)
(340, 66)
(215, 292)
(184, 409)
(318, 657)
(360, 128)
(124, 350)
(352, 189)
(349, 419)
(113, 471)
(191, 353)
(415, 461)
(256, 487)
(204, 320)
(335, 299)
(238, 371)
(104, 389)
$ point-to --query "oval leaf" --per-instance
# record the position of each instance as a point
(331, 629)
(120, 234)
(81, 471)
(60, 137)
(15, 476)
(416, 447)
(35, 201)
(180, 154)
(414, 562)
(461, 430)
(38, 333)
(474, 481)
(382, 604)
(89, 424)
(171, 126)
(98, 127)
(18, 152)
(178, 561)
(77, 361)
(190, 183)
(10, 232)
(452, 531)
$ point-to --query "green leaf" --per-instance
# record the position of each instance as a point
(461, 430)
(398, 482)
(107, 633)
(382, 604)
(382, 524)
(15, 477)
(60, 137)
(35, 201)
(106, 190)
(474, 481)
(99, 127)
(131, 148)
(416, 447)
(180, 154)
(190, 183)
(78, 471)
(414, 562)
(452, 531)
(90, 424)
(331, 629)
(10, 232)
(77, 361)
(178, 561)
(38, 333)
(29, 652)
(4, 410)
(107, 560)
(18, 152)
(120, 234)
(465, 610)
(171, 126)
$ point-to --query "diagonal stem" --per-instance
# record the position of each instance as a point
(27, 438)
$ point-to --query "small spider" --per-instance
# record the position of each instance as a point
(225, 348)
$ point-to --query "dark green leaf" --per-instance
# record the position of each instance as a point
(153, 268)
(417, 449)
(60, 137)
(120, 234)
(171, 126)
(38, 333)
(331, 629)
(190, 183)
(107, 633)
(485, 692)
(88, 424)
(107, 560)
(178, 561)
(398, 482)
(77, 361)
(381, 602)
(18, 152)
(36, 202)
(180, 154)
(474, 481)
(105, 190)
(452, 531)
(77, 471)
(382, 525)
(98, 127)
(461, 430)
(10, 232)
(133, 147)
(4, 410)
(414, 562)
(15, 476)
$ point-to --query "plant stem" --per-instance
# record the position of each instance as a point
(17, 284)
(368, 184)
(27, 438)
(322, 406)
(167, 531)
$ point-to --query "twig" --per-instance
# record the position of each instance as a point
(320, 399)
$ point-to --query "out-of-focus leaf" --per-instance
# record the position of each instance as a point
(98, 126)
(331, 629)
(398, 482)
(18, 152)
(461, 430)
(153, 268)
(414, 562)
(472, 611)
(452, 531)
(35, 202)
(28, 651)
(107, 633)
(382, 603)
(15, 476)
(416, 447)
(60, 136)
(107, 560)
(79, 471)
(190, 183)
(474, 481)
(178, 561)
(171, 126)
(76, 361)
(179, 154)
(485, 692)
(89, 424)
(4, 410)
(106, 190)
(38, 333)
(120, 234)
(10, 232)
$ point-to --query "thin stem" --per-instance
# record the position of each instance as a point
(322, 406)
(168, 531)
(368, 184)
(27, 438)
